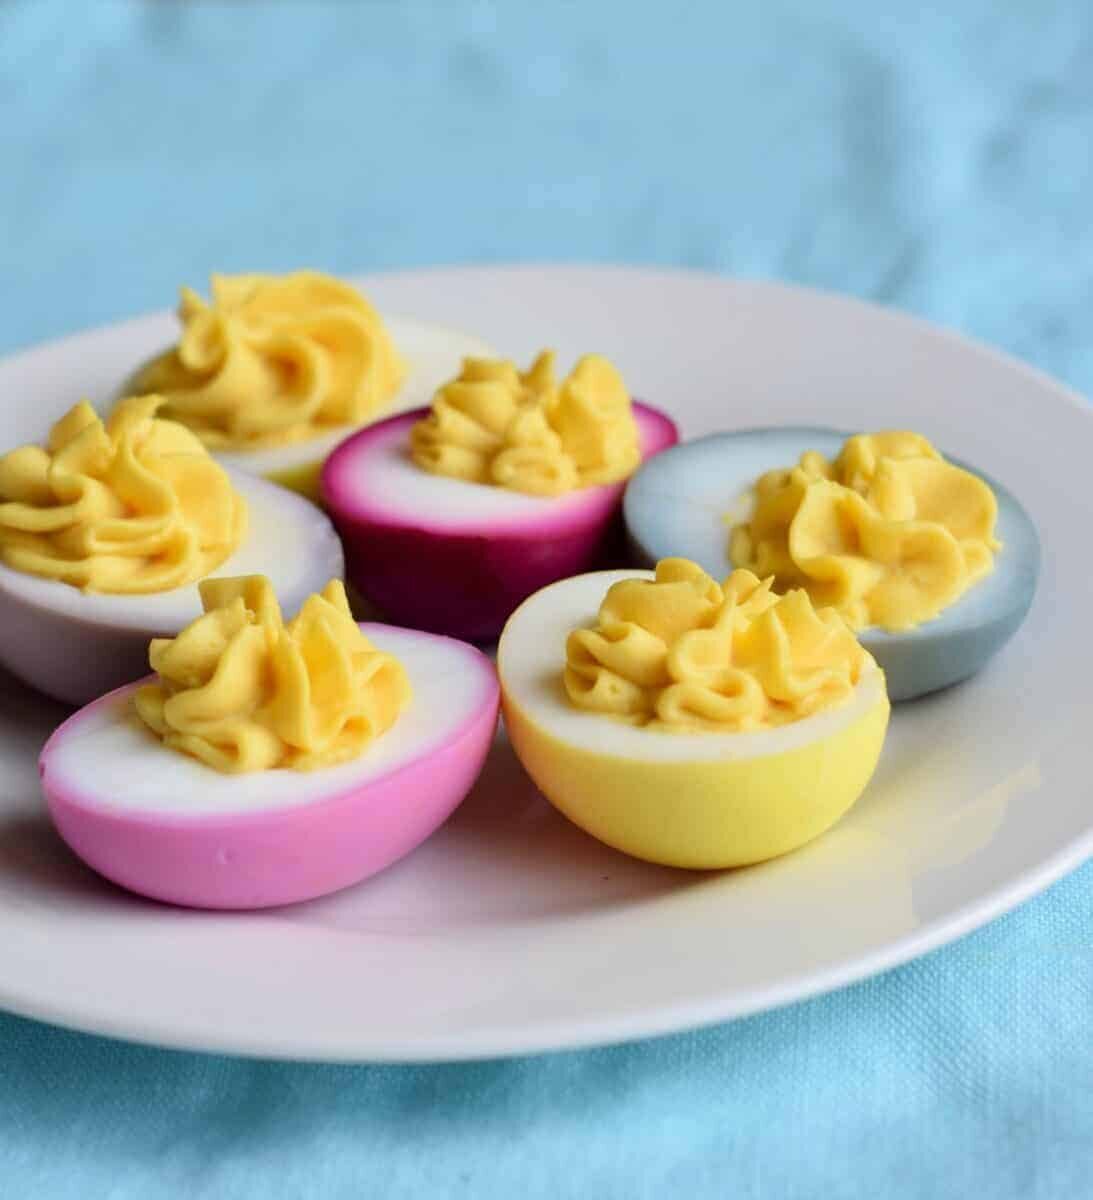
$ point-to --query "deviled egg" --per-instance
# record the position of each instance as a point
(273, 371)
(933, 564)
(688, 722)
(106, 530)
(268, 762)
(452, 516)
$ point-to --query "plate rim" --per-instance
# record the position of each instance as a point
(546, 1039)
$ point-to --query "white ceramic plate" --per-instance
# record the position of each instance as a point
(512, 931)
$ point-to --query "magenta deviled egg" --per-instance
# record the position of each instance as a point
(453, 515)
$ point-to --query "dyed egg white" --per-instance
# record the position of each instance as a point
(456, 557)
(685, 503)
(686, 799)
(76, 645)
(433, 355)
(168, 826)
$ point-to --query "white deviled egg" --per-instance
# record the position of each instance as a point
(105, 532)
(274, 371)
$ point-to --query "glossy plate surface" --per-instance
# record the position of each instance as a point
(511, 930)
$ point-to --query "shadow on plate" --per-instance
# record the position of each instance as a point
(38, 870)
(505, 855)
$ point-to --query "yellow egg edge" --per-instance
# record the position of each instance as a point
(703, 815)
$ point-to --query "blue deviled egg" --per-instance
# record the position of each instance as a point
(688, 501)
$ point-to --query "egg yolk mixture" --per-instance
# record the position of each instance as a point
(135, 505)
(682, 652)
(888, 534)
(242, 691)
(274, 360)
(521, 430)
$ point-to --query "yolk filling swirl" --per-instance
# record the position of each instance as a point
(523, 431)
(682, 652)
(135, 505)
(272, 360)
(242, 690)
(888, 533)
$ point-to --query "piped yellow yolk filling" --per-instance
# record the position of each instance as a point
(523, 431)
(275, 360)
(135, 505)
(888, 534)
(682, 652)
(242, 691)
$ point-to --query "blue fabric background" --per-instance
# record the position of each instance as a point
(938, 160)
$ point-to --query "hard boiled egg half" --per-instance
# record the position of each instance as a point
(689, 500)
(686, 722)
(271, 763)
(99, 524)
(451, 516)
(272, 372)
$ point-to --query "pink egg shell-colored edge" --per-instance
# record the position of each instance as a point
(465, 577)
(279, 855)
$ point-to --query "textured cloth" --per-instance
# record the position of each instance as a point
(935, 157)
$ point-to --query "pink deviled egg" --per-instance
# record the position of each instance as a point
(458, 555)
(171, 826)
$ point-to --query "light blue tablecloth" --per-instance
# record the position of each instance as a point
(939, 160)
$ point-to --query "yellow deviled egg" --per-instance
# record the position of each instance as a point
(272, 372)
(106, 530)
(688, 722)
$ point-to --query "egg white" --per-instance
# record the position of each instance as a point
(380, 476)
(288, 540)
(377, 475)
(531, 659)
(108, 757)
